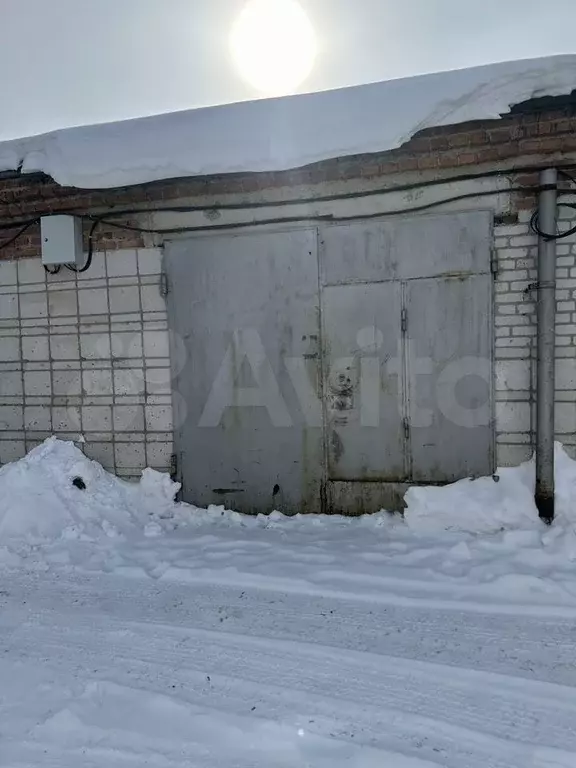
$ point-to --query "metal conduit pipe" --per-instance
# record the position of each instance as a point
(545, 365)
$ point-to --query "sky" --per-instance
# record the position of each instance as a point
(76, 62)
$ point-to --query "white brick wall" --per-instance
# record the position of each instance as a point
(515, 343)
(87, 354)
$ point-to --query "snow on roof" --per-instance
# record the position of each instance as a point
(283, 133)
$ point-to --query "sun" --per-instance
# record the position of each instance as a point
(273, 45)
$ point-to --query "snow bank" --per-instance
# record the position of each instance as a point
(491, 504)
(284, 133)
(39, 501)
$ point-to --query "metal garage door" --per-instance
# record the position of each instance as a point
(407, 330)
(361, 327)
(248, 425)
(329, 378)
(449, 377)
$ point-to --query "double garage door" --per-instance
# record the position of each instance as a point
(328, 368)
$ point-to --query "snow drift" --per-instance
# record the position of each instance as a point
(491, 504)
(39, 502)
(284, 133)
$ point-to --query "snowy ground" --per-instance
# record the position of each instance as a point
(134, 632)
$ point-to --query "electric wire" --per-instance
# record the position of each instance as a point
(108, 217)
(535, 219)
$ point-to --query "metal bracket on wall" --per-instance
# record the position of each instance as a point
(404, 320)
(494, 262)
(174, 466)
(527, 292)
(163, 285)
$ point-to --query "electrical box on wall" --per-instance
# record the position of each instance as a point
(61, 241)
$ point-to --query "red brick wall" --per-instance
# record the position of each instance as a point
(531, 138)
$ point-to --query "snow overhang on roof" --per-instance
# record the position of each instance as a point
(283, 133)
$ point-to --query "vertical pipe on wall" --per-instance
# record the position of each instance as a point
(545, 366)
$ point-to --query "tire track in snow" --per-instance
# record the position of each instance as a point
(280, 654)
(479, 712)
(534, 648)
(301, 587)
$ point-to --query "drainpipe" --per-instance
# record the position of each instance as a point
(545, 366)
